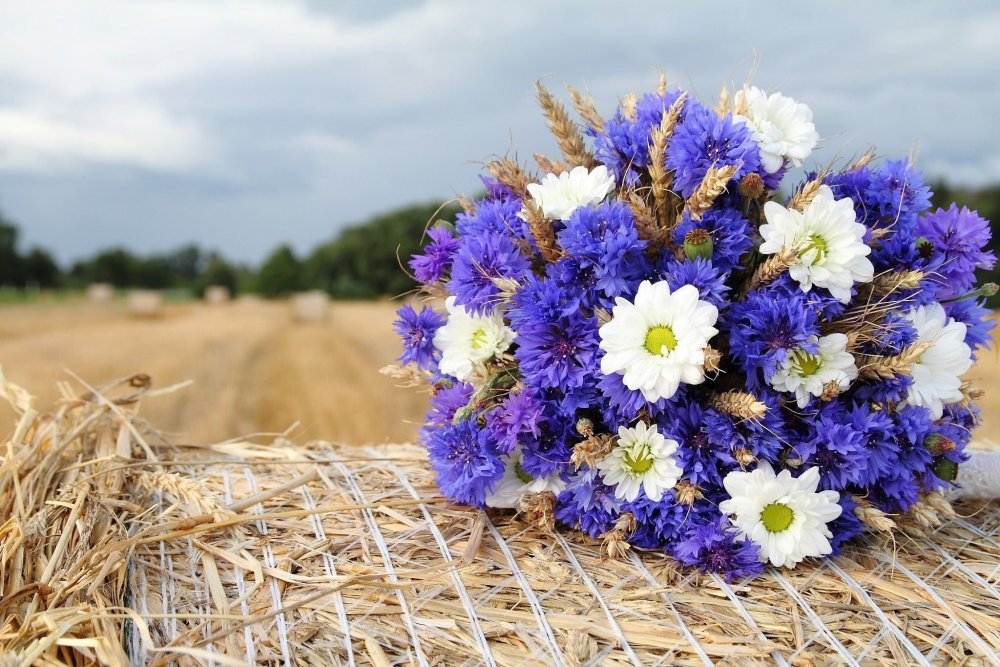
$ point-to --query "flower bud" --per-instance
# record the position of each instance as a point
(938, 444)
(698, 243)
(751, 186)
(946, 469)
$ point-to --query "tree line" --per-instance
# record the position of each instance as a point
(363, 261)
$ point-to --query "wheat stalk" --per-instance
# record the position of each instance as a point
(628, 104)
(725, 102)
(887, 283)
(566, 132)
(740, 404)
(885, 368)
(541, 230)
(805, 194)
(713, 359)
(547, 166)
(862, 161)
(510, 174)
(771, 268)
(872, 517)
(538, 509)
(587, 109)
(661, 177)
(712, 185)
(646, 224)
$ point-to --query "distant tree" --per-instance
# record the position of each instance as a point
(281, 274)
(186, 264)
(219, 272)
(364, 261)
(116, 266)
(11, 265)
(40, 270)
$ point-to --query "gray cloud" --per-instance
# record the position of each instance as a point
(241, 125)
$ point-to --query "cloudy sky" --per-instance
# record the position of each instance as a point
(240, 125)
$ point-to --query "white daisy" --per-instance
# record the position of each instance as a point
(644, 459)
(558, 196)
(516, 482)
(467, 340)
(937, 375)
(658, 341)
(828, 239)
(808, 374)
(782, 127)
(784, 515)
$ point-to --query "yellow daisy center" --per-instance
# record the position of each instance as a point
(638, 459)
(777, 517)
(660, 337)
(817, 243)
(805, 364)
(478, 338)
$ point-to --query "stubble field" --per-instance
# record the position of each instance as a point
(252, 369)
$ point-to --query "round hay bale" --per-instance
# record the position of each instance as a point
(311, 306)
(144, 303)
(100, 293)
(217, 294)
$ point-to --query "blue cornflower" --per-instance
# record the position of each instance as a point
(541, 301)
(588, 503)
(465, 460)
(845, 527)
(558, 354)
(605, 238)
(549, 451)
(832, 444)
(698, 457)
(623, 146)
(703, 140)
(479, 262)
(730, 234)
(716, 547)
(766, 327)
(978, 321)
(417, 331)
(702, 273)
(436, 260)
(499, 216)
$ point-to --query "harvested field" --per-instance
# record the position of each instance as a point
(252, 368)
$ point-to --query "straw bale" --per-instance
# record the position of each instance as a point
(310, 306)
(100, 293)
(144, 303)
(217, 294)
(118, 546)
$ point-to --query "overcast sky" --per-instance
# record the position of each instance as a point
(240, 125)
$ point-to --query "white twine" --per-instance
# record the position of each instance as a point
(745, 613)
(979, 477)
(238, 577)
(276, 601)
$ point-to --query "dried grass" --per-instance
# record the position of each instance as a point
(118, 547)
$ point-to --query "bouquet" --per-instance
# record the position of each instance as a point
(658, 342)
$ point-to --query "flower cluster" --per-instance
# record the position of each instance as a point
(652, 337)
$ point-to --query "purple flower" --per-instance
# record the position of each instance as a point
(479, 263)
(436, 260)
(518, 415)
(417, 331)
(957, 237)
(465, 460)
(717, 547)
(448, 400)
(704, 140)
(541, 301)
(702, 461)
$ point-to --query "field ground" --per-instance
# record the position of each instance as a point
(253, 368)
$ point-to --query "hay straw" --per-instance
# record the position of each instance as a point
(118, 547)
